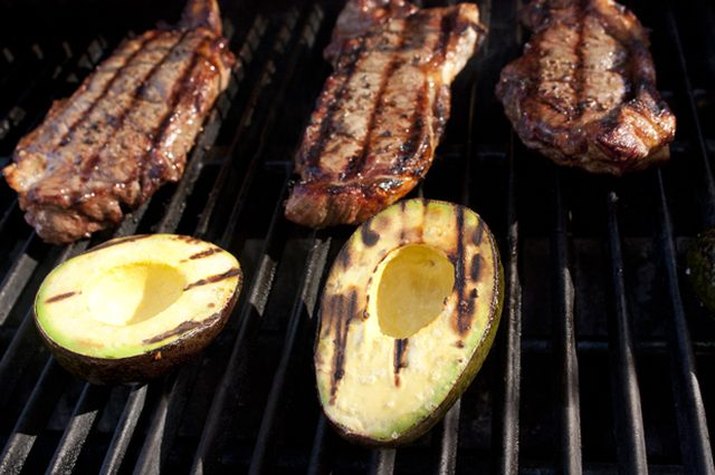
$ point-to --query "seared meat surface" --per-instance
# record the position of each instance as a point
(359, 16)
(584, 92)
(372, 136)
(125, 131)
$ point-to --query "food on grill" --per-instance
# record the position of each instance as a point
(372, 136)
(125, 131)
(701, 267)
(409, 312)
(584, 92)
(131, 309)
(359, 16)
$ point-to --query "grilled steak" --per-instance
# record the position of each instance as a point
(126, 130)
(584, 91)
(372, 136)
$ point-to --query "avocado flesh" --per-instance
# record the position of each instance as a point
(701, 264)
(133, 307)
(409, 313)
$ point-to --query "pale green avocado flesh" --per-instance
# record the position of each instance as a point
(409, 312)
(135, 305)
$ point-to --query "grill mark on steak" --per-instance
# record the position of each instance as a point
(87, 168)
(67, 137)
(176, 94)
(313, 155)
(415, 133)
(356, 166)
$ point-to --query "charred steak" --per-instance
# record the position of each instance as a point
(372, 136)
(126, 130)
(584, 91)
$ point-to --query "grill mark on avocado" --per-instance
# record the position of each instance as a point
(476, 267)
(478, 233)
(345, 310)
(463, 320)
(369, 237)
(206, 253)
(400, 360)
(233, 272)
(183, 327)
(59, 297)
(345, 257)
(114, 242)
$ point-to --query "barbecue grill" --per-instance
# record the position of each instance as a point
(604, 357)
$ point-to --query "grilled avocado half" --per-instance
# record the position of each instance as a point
(409, 312)
(134, 307)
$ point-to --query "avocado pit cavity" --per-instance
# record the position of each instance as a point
(130, 294)
(414, 283)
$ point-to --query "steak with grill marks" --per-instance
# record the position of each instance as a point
(584, 91)
(373, 133)
(125, 131)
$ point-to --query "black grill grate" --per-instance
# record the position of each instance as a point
(594, 368)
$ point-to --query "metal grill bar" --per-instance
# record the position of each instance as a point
(695, 441)
(511, 396)
(565, 334)
(33, 419)
(449, 441)
(303, 307)
(383, 462)
(253, 309)
(124, 431)
(624, 379)
(83, 420)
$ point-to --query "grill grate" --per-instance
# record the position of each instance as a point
(576, 380)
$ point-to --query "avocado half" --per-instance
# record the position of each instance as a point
(134, 307)
(409, 312)
(701, 266)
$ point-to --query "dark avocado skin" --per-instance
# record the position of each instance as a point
(147, 366)
(701, 261)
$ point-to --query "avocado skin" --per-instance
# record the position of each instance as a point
(144, 367)
(701, 262)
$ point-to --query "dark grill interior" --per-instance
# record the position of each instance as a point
(604, 355)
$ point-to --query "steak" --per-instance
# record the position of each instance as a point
(125, 131)
(584, 92)
(381, 113)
